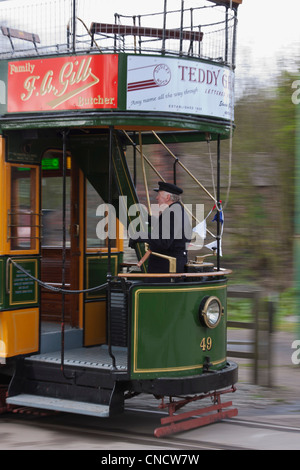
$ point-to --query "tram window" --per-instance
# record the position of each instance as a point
(93, 201)
(23, 215)
(52, 212)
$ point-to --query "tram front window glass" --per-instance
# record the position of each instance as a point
(52, 211)
(23, 213)
(96, 227)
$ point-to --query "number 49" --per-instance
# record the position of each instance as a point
(206, 344)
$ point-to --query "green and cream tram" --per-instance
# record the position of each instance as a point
(81, 330)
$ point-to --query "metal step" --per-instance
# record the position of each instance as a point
(82, 390)
(57, 404)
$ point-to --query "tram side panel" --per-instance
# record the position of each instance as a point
(19, 296)
(168, 337)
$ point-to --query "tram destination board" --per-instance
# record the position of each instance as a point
(21, 151)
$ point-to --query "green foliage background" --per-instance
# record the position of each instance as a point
(263, 184)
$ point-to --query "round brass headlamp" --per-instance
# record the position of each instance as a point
(210, 311)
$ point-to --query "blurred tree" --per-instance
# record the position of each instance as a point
(262, 196)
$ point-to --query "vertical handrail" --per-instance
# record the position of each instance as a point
(226, 34)
(191, 48)
(109, 275)
(164, 28)
(218, 200)
(181, 27)
(74, 27)
(134, 37)
(115, 36)
(63, 272)
(134, 162)
(64, 210)
(234, 39)
(140, 38)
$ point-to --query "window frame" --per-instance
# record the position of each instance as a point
(34, 210)
(101, 249)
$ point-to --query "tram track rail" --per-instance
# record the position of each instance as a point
(115, 436)
(262, 425)
(143, 441)
(242, 422)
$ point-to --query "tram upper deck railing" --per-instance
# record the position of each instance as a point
(200, 29)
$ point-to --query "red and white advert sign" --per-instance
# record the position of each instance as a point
(63, 83)
(180, 86)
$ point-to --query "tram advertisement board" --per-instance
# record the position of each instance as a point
(63, 83)
(179, 86)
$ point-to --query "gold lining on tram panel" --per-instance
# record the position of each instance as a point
(135, 335)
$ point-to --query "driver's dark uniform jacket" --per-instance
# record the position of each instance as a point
(169, 235)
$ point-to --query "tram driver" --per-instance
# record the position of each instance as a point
(169, 234)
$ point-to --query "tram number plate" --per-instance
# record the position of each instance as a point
(206, 344)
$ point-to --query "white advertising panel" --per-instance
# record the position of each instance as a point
(179, 86)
